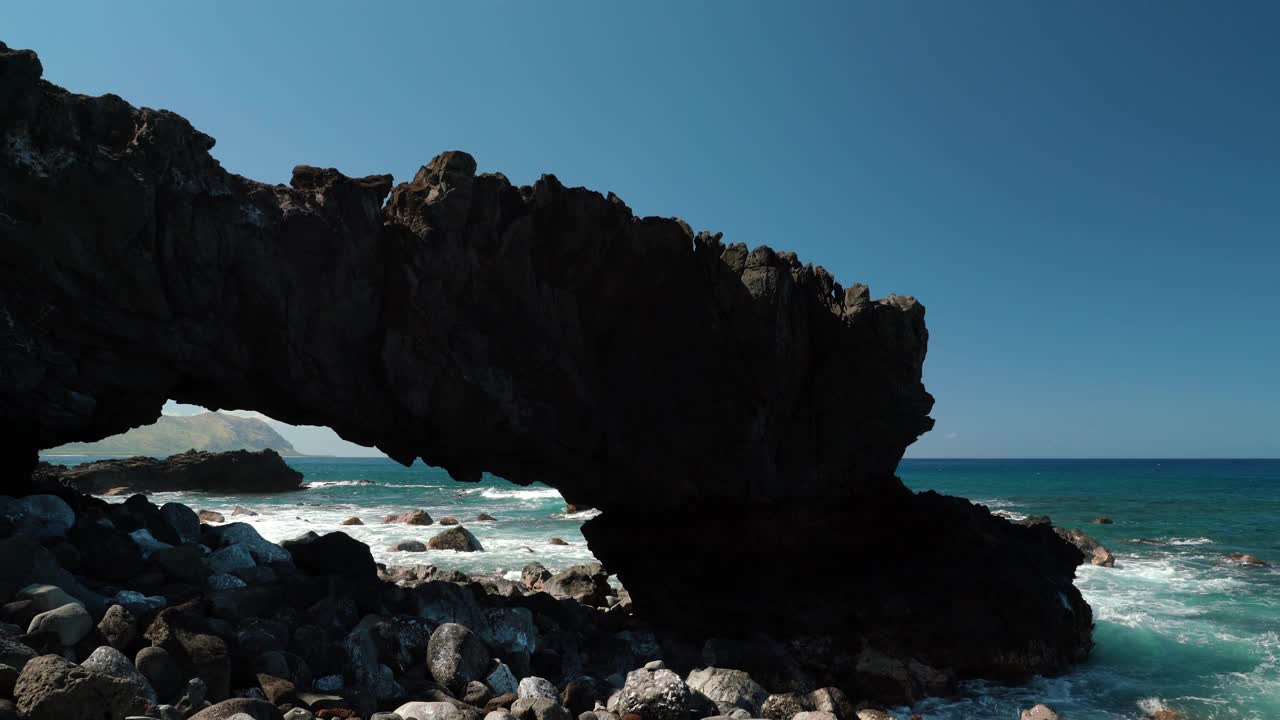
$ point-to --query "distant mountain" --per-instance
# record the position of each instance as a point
(172, 434)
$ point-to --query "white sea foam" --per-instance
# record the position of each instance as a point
(339, 483)
(522, 494)
(1190, 541)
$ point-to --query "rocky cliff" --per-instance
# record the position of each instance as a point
(737, 415)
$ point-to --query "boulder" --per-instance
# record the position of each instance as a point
(262, 550)
(485, 517)
(230, 559)
(37, 517)
(539, 708)
(69, 623)
(50, 688)
(187, 563)
(24, 562)
(335, 553)
(456, 656)
(413, 517)
(188, 639)
(536, 687)
(557, 541)
(449, 521)
(184, 521)
(832, 700)
(1102, 520)
(109, 661)
(1039, 712)
(118, 627)
(15, 654)
(728, 689)
(784, 706)
(254, 708)
(242, 511)
(350, 521)
(456, 538)
(476, 694)
(501, 680)
(428, 711)
(654, 695)
(147, 544)
(533, 575)
(160, 670)
(408, 546)
(109, 553)
(277, 690)
(209, 516)
(8, 679)
(44, 598)
(587, 583)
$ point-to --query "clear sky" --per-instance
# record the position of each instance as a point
(1085, 195)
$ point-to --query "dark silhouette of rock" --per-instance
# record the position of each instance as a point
(335, 553)
(236, 471)
(753, 404)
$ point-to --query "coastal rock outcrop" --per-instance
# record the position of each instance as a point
(539, 333)
(231, 472)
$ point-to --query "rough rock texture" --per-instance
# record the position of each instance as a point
(728, 689)
(50, 688)
(654, 695)
(235, 471)
(456, 656)
(541, 333)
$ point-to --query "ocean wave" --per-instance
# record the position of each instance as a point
(528, 494)
(339, 483)
(1190, 541)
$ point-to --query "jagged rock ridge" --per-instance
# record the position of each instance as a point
(731, 412)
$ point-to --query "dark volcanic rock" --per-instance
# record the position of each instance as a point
(455, 538)
(754, 404)
(237, 471)
(335, 553)
(50, 688)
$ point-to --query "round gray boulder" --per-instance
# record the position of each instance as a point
(654, 695)
(456, 656)
(110, 661)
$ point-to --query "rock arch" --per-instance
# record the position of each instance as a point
(736, 415)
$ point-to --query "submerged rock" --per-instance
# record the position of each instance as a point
(1246, 559)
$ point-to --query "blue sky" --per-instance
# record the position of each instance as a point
(1086, 196)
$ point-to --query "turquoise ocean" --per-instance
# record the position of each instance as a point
(1177, 625)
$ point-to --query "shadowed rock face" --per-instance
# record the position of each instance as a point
(727, 410)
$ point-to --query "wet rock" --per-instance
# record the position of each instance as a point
(456, 538)
(1102, 520)
(407, 546)
(449, 521)
(161, 672)
(485, 517)
(255, 709)
(335, 553)
(587, 583)
(728, 689)
(1246, 559)
(118, 627)
(533, 575)
(1094, 551)
(556, 541)
(50, 688)
(413, 517)
(209, 516)
(69, 623)
(1039, 712)
(109, 661)
(350, 521)
(456, 656)
(654, 695)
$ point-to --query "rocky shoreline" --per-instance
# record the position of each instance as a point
(115, 610)
(232, 472)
